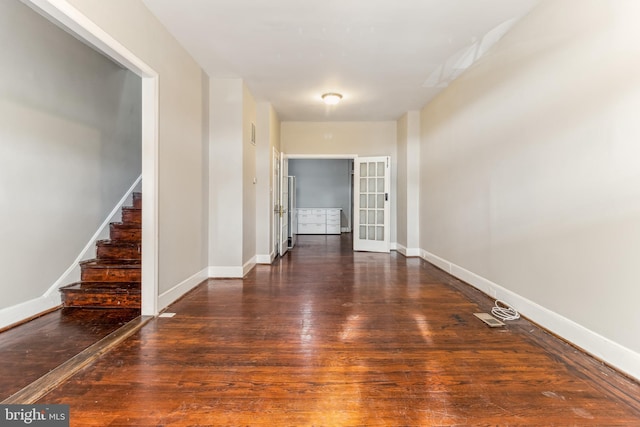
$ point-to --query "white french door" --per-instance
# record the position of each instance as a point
(371, 204)
(284, 205)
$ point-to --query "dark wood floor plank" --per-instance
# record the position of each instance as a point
(47, 382)
(335, 338)
(32, 349)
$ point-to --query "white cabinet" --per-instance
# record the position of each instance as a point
(318, 220)
(333, 221)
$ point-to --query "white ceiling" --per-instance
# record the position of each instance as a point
(386, 57)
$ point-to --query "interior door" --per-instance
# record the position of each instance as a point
(371, 204)
(284, 204)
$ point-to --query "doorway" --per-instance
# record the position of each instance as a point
(325, 182)
(67, 17)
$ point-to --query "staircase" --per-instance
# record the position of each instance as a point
(112, 279)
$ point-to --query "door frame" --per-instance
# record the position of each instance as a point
(68, 17)
(328, 157)
(275, 201)
(283, 205)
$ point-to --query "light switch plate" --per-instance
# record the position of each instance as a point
(489, 319)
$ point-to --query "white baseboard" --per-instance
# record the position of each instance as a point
(408, 252)
(248, 266)
(168, 297)
(393, 246)
(223, 272)
(345, 230)
(264, 259)
(413, 252)
(436, 260)
(612, 353)
(19, 312)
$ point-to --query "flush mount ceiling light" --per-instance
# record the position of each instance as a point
(331, 98)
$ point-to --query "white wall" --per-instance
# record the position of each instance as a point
(345, 138)
(409, 184)
(275, 141)
(323, 183)
(402, 131)
(70, 126)
(182, 190)
(232, 232)
(249, 179)
(267, 138)
(226, 176)
(530, 174)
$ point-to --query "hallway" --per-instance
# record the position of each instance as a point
(330, 337)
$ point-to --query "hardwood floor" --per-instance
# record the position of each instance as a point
(31, 350)
(328, 337)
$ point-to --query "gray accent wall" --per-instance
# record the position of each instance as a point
(70, 129)
(323, 183)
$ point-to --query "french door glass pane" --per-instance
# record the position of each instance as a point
(371, 219)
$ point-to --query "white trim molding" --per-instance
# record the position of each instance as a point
(172, 295)
(229, 272)
(25, 310)
(263, 259)
(225, 272)
(612, 353)
(321, 156)
(407, 252)
(248, 266)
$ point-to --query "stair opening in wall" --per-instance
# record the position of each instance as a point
(113, 278)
